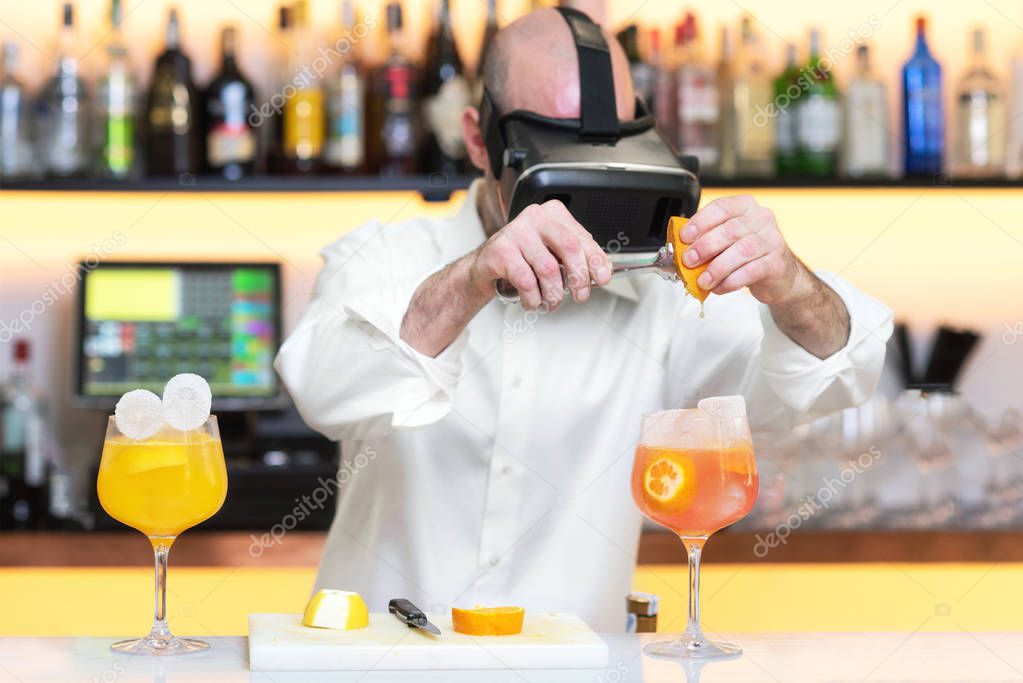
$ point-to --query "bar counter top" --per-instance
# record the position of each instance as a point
(770, 658)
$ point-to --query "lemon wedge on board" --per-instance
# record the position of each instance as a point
(342, 610)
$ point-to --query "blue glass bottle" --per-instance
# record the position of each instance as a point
(923, 113)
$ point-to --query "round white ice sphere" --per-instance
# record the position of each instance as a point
(139, 414)
(187, 401)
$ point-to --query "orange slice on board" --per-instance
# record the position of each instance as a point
(488, 621)
(688, 275)
(668, 483)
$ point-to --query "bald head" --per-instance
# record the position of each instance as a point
(532, 64)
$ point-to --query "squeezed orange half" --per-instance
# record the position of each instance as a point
(689, 275)
(488, 621)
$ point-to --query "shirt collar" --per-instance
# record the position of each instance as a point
(469, 229)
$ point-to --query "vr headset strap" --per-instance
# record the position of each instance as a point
(599, 114)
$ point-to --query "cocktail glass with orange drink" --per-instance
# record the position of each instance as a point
(162, 485)
(695, 473)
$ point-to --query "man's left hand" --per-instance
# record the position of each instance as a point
(743, 246)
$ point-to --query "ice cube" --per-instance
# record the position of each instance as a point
(187, 401)
(139, 414)
(724, 407)
(734, 502)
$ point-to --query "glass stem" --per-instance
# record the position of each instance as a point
(160, 550)
(694, 548)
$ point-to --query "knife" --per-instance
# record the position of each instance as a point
(411, 615)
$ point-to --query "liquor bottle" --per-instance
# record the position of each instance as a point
(345, 149)
(394, 130)
(865, 151)
(980, 116)
(231, 142)
(818, 117)
(270, 115)
(727, 134)
(785, 135)
(922, 109)
(304, 126)
(644, 75)
(62, 108)
(752, 95)
(445, 96)
(116, 96)
(22, 459)
(61, 514)
(172, 135)
(489, 31)
(664, 97)
(1014, 147)
(17, 156)
(697, 101)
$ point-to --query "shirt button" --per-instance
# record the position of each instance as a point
(516, 381)
(507, 470)
(495, 560)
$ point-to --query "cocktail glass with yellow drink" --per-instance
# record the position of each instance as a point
(162, 480)
(695, 473)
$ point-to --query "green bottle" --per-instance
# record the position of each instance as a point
(818, 116)
(786, 92)
(116, 96)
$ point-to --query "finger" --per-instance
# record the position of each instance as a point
(714, 214)
(564, 236)
(597, 261)
(746, 249)
(716, 240)
(745, 276)
(545, 267)
(510, 264)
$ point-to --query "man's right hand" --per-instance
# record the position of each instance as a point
(528, 253)
(525, 252)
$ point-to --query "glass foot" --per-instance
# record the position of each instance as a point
(159, 646)
(691, 648)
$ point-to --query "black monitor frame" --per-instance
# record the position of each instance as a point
(80, 399)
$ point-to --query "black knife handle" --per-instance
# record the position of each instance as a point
(407, 612)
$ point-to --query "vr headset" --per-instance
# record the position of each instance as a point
(621, 180)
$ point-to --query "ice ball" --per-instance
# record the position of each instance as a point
(139, 414)
(187, 401)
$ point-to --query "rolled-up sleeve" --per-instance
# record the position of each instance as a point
(345, 365)
(739, 349)
(848, 377)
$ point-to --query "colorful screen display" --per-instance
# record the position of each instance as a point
(142, 324)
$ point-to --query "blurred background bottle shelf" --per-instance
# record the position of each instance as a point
(124, 91)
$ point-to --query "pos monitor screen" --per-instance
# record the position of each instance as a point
(139, 324)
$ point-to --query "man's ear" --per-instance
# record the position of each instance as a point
(475, 147)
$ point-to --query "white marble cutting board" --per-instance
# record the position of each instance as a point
(549, 640)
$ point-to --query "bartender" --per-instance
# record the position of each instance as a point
(487, 447)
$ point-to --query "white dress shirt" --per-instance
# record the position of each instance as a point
(498, 472)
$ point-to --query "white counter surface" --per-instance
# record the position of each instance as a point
(773, 658)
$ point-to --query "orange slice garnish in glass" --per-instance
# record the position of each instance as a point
(668, 483)
(688, 275)
(488, 621)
